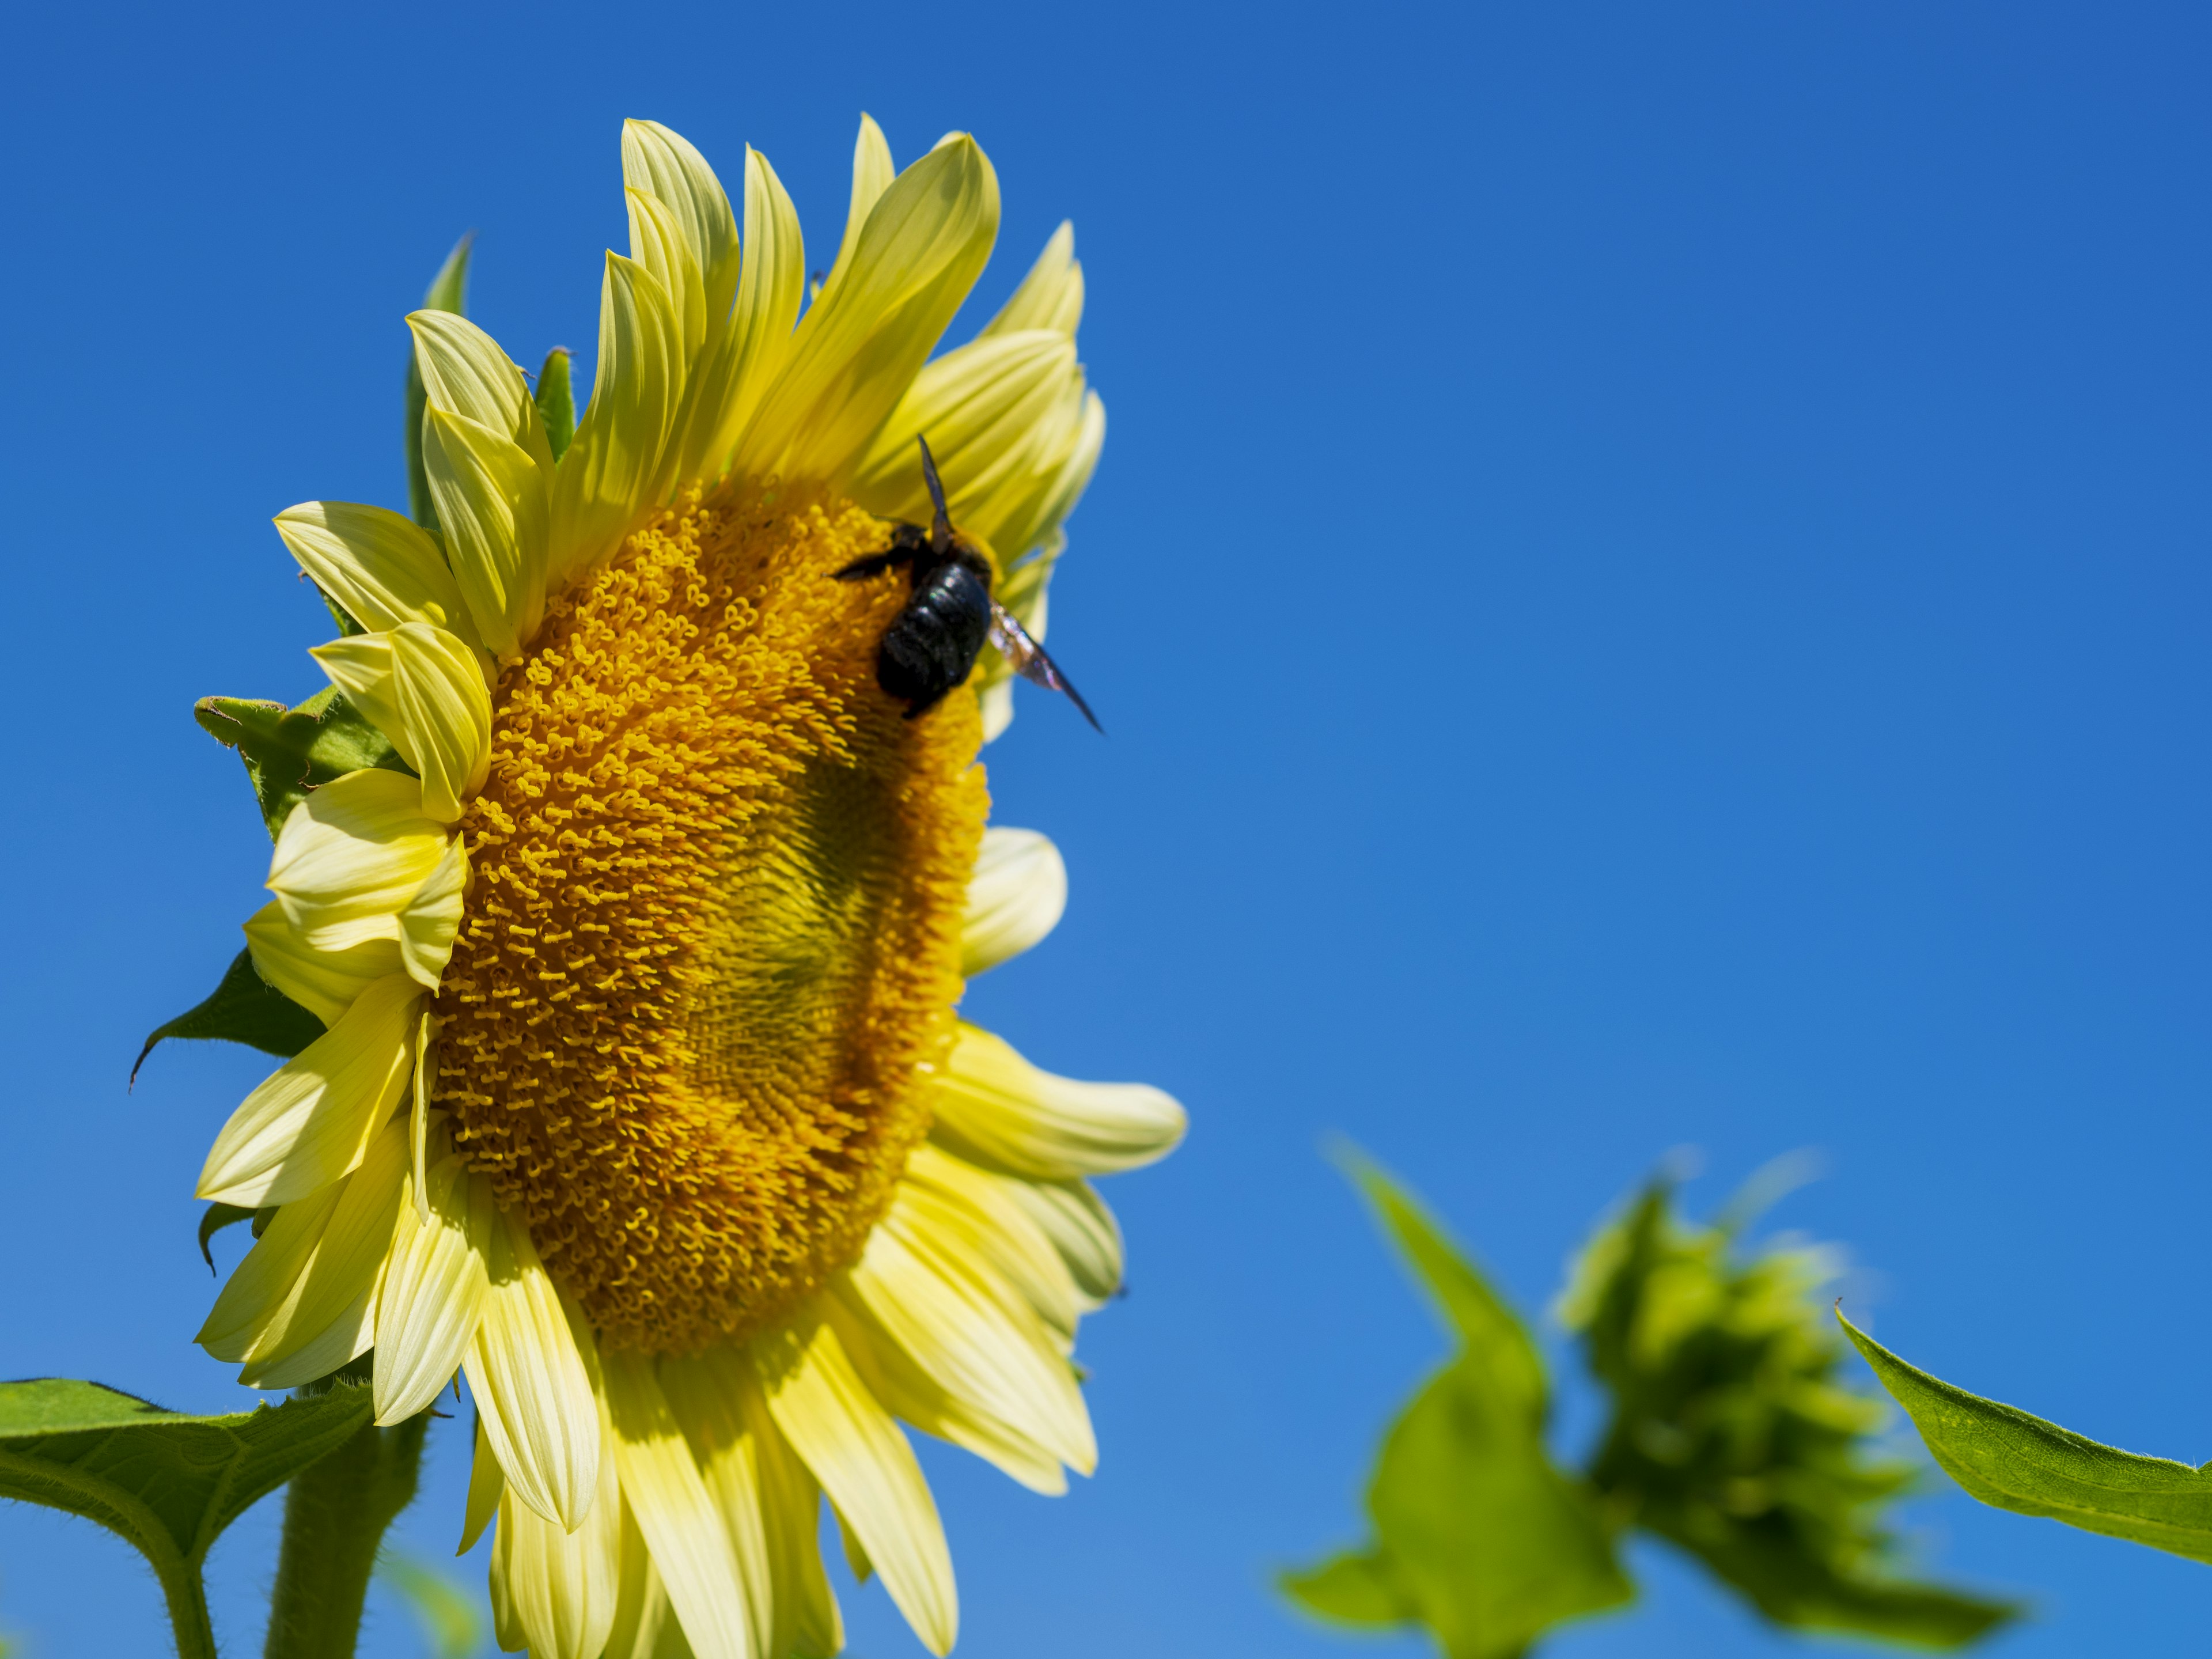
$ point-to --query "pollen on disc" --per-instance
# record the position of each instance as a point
(712, 936)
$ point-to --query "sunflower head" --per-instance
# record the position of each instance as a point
(634, 915)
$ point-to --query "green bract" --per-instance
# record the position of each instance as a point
(2011, 1461)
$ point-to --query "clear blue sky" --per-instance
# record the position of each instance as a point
(1648, 583)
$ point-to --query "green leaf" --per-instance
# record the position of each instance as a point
(166, 1482)
(556, 401)
(1732, 1437)
(2011, 1461)
(449, 291)
(244, 1008)
(289, 751)
(449, 1616)
(220, 1216)
(1477, 1536)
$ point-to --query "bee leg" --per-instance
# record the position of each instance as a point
(867, 565)
(906, 540)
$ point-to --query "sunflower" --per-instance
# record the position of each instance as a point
(642, 1101)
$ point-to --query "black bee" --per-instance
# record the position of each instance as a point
(933, 642)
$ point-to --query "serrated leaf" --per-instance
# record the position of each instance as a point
(289, 751)
(2011, 1461)
(556, 401)
(449, 291)
(1477, 1536)
(244, 1008)
(166, 1482)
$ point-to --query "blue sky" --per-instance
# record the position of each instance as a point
(1648, 585)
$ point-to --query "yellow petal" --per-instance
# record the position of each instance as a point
(980, 407)
(610, 472)
(559, 1589)
(703, 1391)
(856, 1451)
(432, 919)
(993, 1108)
(1082, 1229)
(491, 498)
(465, 373)
(260, 1288)
(384, 569)
(857, 349)
(329, 1317)
(323, 982)
(418, 1118)
(999, 1229)
(433, 1292)
(350, 857)
(1016, 517)
(872, 173)
(1014, 898)
(642, 1627)
(691, 1549)
(770, 284)
(538, 1412)
(657, 243)
(446, 710)
(1050, 297)
(311, 1122)
(663, 165)
(486, 1482)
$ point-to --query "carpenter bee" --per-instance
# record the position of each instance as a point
(933, 642)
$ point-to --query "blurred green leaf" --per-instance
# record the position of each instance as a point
(289, 751)
(450, 1622)
(1479, 1537)
(166, 1482)
(2011, 1461)
(556, 401)
(449, 291)
(244, 1008)
(1732, 1437)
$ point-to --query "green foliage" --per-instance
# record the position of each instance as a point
(452, 1623)
(244, 1008)
(289, 751)
(1732, 1437)
(219, 1216)
(1479, 1537)
(335, 1519)
(167, 1483)
(2011, 1461)
(449, 291)
(557, 401)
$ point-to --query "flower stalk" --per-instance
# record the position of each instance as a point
(335, 1514)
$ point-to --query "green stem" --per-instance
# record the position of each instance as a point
(335, 1516)
(188, 1612)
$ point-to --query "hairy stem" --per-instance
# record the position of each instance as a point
(335, 1516)
(188, 1612)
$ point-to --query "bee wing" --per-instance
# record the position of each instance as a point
(1029, 659)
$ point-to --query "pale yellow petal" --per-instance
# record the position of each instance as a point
(643, 1628)
(311, 1122)
(351, 855)
(872, 173)
(419, 1117)
(383, 569)
(1001, 1228)
(1015, 897)
(1051, 295)
(1082, 1229)
(560, 1590)
(486, 1482)
(323, 982)
(993, 1108)
(611, 472)
(328, 1318)
(492, 503)
(260, 1287)
(434, 1291)
(856, 1451)
(1018, 516)
(859, 347)
(445, 707)
(530, 1384)
(704, 1392)
(432, 920)
(657, 243)
(664, 166)
(465, 373)
(807, 1622)
(771, 282)
(980, 407)
(692, 1547)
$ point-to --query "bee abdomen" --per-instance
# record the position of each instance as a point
(933, 642)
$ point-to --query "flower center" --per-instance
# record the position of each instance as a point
(711, 938)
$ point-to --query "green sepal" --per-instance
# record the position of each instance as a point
(218, 1216)
(449, 291)
(289, 751)
(1477, 1536)
(169, 1483)
(244, 1008)
(556, 401)
(2011, 1461)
